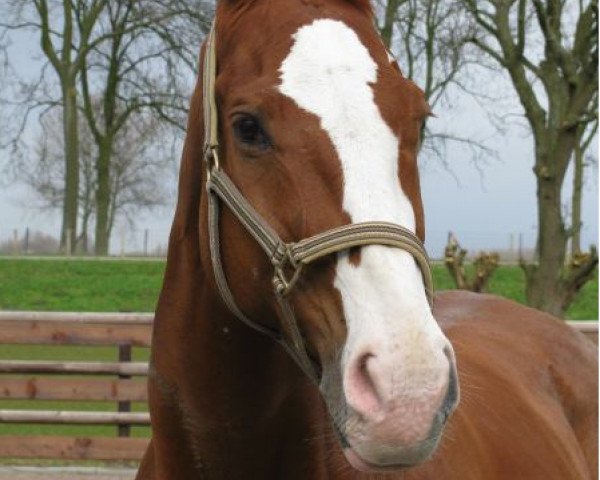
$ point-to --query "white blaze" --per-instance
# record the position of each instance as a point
(330, 73)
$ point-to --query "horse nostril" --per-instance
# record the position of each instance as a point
(361, 385)
(452, 393)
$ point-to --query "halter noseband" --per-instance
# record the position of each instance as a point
(287, 259)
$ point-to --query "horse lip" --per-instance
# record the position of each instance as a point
(365, 466)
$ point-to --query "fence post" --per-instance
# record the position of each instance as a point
(124, 356)
(26, 241)
(122, 243)
(16, 242)
(146, 242)
(521, 247)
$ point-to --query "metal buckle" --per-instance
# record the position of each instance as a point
(282, 282)
(211, 158)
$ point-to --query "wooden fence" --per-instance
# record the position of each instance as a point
(122, 381)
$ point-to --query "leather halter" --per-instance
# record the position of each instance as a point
(287, 259)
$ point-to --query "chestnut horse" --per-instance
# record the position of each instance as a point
(318, 129)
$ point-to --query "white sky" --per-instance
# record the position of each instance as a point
(482, 204)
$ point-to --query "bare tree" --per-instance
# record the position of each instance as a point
(65, 50)
(586, 132)
(550, 51)
(141, 68)
(430, 38)
(135, 54)
(43, 172)
(142, 162)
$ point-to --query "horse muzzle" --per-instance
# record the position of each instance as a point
(396, 415)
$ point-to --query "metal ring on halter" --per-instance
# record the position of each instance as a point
(283, 284)
(211, 157)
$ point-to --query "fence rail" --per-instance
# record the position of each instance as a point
(121, 381)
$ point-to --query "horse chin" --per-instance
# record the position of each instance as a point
(387, 461)
(367, 456)
(362, 465)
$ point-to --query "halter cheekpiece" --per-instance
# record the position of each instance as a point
(288, 259)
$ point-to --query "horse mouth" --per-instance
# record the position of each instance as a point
(382, 457)
(363, 465)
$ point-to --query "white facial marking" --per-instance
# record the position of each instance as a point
(330, 73)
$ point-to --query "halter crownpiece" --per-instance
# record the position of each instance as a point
(287, 259)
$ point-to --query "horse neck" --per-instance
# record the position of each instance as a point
(231, 387)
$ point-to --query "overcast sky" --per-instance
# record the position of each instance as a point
(483, 203)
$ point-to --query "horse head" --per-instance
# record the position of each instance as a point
(318, 129)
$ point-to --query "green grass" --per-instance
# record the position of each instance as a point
(133, 286)
(80, 285)
(509, 281)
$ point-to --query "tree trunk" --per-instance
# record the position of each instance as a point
(103, 196)
(551, 285)
(576, 200)
(71, 193)
(544, 286)
(387, 29)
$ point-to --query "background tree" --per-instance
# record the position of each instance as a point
(137, 55)
(586, 132)
(429, 39)
(484, 266)
(556, 83)
(151, 50)
(43, 172)
(65, 49)
(142, 160)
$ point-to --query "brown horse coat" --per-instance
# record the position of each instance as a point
(227, 403)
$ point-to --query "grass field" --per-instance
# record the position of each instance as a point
(128, 286)
(133, 286)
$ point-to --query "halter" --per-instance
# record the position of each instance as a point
(287, 259)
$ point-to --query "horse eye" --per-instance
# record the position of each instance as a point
(248, 130)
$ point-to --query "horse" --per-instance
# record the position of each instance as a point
(328, 357)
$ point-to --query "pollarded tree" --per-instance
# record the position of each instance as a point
(549, 49)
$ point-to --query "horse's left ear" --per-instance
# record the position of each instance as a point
(424, 109)
(421, 108)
